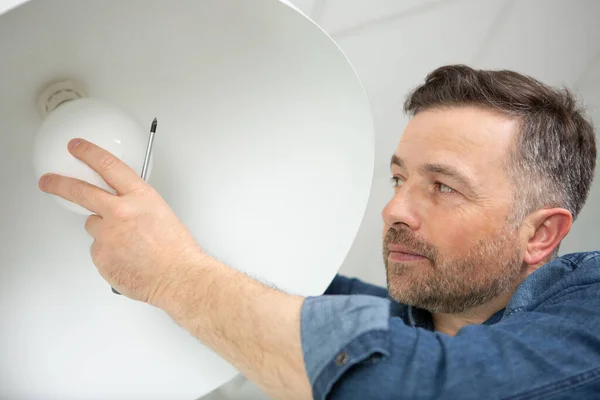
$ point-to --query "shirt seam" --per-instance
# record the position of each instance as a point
(585, 259)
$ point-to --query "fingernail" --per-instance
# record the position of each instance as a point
(74, 143)
(44, 181)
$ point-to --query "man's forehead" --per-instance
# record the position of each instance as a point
(463, 128)
(463, 136)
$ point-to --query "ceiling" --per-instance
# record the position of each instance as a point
(393, 44)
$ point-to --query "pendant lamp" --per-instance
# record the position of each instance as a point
(264, 149)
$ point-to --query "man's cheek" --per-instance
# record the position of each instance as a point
(453, 236)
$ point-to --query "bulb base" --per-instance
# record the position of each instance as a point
(58, 93)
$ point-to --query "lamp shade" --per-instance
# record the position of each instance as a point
(264, 150)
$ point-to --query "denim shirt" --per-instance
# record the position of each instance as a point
(360, 344)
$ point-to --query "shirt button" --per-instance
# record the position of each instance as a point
(342, 359)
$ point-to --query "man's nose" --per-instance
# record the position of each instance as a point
(401, 210)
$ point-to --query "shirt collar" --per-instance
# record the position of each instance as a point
(419, 318)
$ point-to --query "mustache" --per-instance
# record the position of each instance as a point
(410, 240)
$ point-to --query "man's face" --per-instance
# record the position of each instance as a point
(451, 210)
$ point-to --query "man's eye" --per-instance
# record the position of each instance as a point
(440, 187)
(397, 181)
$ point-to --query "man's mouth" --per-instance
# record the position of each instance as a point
(400, 253)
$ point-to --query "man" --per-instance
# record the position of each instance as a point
(489, 175)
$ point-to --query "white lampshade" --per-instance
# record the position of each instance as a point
(264, 149)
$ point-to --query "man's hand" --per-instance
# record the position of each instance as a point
(141, 247)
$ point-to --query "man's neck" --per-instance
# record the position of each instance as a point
(450, 324)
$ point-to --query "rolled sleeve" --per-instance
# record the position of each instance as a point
(339, 332)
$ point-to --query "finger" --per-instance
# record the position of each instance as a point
(115, 172)
(79, 192)
(92, 225)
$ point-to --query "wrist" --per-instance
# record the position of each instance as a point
(182, 283)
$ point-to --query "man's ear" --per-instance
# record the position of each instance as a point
(550, 226)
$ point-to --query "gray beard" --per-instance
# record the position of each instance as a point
(493, 268)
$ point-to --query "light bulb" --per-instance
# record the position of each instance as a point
(95, 121)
